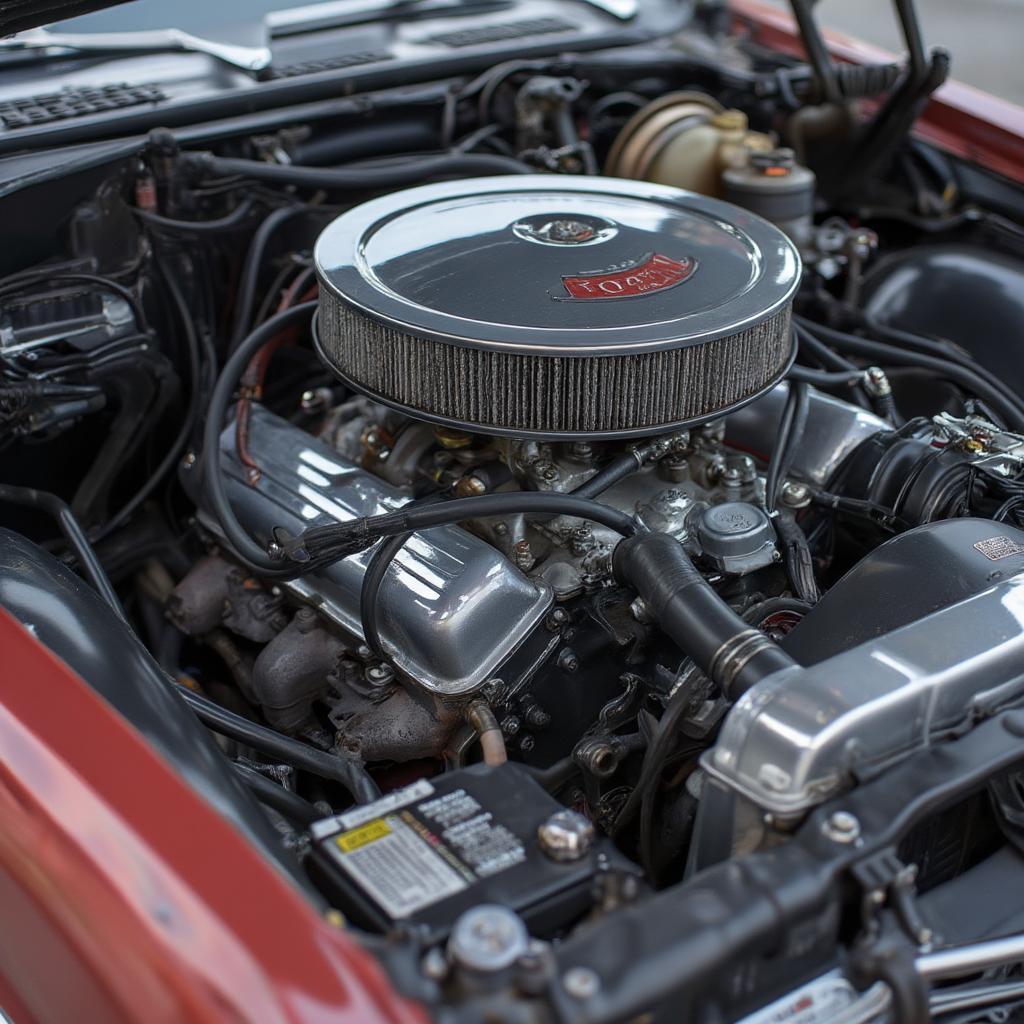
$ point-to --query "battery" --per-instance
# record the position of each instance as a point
(423, 854)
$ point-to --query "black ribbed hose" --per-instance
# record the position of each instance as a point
(728, 651)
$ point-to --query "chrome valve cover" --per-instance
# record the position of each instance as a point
(452, 608)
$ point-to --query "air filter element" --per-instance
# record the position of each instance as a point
(547, 306)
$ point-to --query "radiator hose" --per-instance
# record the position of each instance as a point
(694, 617)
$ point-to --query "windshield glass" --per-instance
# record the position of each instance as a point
(984, 36)
(193, 16)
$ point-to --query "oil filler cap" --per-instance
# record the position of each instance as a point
(736, 537)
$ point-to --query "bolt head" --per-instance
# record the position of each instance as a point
(566, 836)
(581, 982)
(842, 827)
(493, 690)
(487, 938)
(567, 661)
(796, 495)
(558, 618)
(379, 674)
(434, 964)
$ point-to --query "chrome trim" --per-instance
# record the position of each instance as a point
(971, 959)
(797, 738)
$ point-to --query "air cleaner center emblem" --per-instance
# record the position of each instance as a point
(652, 273)
(564, 229)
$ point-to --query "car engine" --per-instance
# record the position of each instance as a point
(585, 498)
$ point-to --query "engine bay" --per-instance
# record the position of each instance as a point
(585, 501)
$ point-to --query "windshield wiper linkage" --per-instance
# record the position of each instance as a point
(248, 58)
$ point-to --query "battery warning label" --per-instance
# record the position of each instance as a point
(420, 848)
(361, 836)
(396, 867)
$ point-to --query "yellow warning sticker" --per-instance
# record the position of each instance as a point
(365, 834)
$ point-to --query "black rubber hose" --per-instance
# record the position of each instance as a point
(373, 578)
(369, 595)
(244, 546)
(320, 546)
(949, 352)
(248, 282)
(624, 465)
(959, 374)
(807, 342)
(824, 378)
(284, 801)
(236, 218)
(791, 428)
(195, 395)
(349, 772)
(694, 617)
(369, 140)
(505, 503)
(73, 534)
(619, 468)
(665, 735)
(391, 175)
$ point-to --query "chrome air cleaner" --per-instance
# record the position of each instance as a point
(550, 306)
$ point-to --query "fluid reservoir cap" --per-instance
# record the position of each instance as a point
(736, 537)
(487, 938)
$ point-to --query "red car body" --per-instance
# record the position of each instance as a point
(125, 897)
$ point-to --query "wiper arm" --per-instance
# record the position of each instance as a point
(254, 59)
(247, 58)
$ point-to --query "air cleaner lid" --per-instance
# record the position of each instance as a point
(546, 264)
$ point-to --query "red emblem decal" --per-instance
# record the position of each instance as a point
(652, 274)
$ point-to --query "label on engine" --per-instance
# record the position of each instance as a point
(818, 1002)
(653, 273)
(995, 548)
(421, 854)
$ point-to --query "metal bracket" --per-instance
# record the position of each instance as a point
(886, 881)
